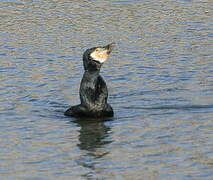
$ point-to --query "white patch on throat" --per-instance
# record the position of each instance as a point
(99, 56)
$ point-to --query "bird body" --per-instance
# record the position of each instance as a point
(93, 89)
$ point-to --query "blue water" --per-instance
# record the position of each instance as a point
(159, 77)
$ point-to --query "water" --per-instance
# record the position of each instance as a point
(160, 81)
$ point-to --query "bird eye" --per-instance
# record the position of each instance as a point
(96, 50)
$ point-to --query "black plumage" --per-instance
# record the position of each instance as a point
(93, 89)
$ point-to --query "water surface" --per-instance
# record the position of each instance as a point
(160, 81)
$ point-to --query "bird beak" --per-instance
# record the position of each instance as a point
(109, 47)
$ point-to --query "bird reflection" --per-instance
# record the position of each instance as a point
(94, 135)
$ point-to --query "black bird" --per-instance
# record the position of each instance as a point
(93, 90)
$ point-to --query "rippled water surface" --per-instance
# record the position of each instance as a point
(160, 81)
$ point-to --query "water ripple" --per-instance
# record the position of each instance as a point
(159, 78)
